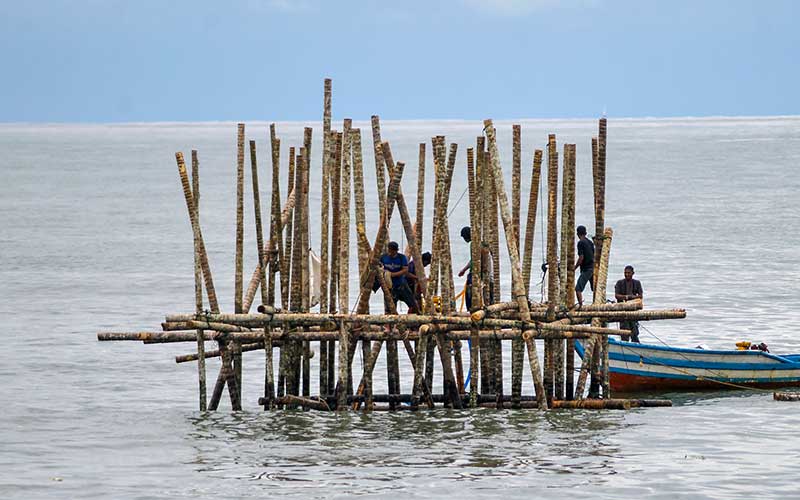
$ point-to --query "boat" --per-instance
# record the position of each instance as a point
(646, 367)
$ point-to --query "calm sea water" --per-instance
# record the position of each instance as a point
(94, 236)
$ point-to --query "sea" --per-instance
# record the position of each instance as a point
(94, 236)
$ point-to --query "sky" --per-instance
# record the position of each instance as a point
(175, 60)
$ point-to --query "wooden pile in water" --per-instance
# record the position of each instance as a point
(283, 273)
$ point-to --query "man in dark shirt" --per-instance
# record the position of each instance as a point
(396, 266)
(486, 269)
(585, 262)
(629, 289)
(413, 280)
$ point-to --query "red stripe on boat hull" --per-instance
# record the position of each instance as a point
(624, 382)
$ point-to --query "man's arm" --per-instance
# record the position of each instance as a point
(465, 269)
(618, 293)
(403, 270)
(579, 262)
(638, 293)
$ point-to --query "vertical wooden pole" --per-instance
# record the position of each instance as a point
(336, 188)
(516, 182)
(552, 261)
(336, 181)
(358, 191)
(476, 248)
(294, 346)
(481, 233)
(569, 244)
(237, 306)
(269, 384)
(324, 227)
(530, 227)
(198, 285)
(344, 216)
(420, 214)
(380, 175)
(344, 363)
(276, 233)
(344, 235)
(518, 290)
(306, 273)
(286, 263)
(601, 174)
(517, 345)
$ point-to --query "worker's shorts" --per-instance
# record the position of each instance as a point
(585, 277)
(402, 293)
(631, 326)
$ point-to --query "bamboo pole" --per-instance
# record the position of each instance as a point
(237, 304)
(198, 235)
(344, 216)
(198, 285)
(518, 290)
(486, 348)
(599, 297)
(476, 257)
(321, 330)
(380, 175)
(335, 173)
(552, 235)
(552, 260)
(601, 172)
(286, 262)
(420, 214)
(326, 111)
(516, 182)
(344, 363)
(294, 349)
(306, 273)
(275, 246)
(358, 190)
(569, 244)
(269, 382)
(494, 228)
(324, 227)
(530, 227)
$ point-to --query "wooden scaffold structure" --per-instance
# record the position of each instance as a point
(337, 329)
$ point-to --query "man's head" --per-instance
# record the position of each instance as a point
(426, 259)
(466, 233)
(393, 248)
(581, 231)
(628, 272)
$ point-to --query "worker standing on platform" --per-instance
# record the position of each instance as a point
(586, 264)
(486, 269)
(629, 289)
(395, 265)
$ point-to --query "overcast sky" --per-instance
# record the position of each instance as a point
(118, 61)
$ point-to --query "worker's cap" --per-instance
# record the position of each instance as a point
(393, 245)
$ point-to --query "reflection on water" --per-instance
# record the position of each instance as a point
(346, 450)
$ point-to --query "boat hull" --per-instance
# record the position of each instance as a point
(644, 367)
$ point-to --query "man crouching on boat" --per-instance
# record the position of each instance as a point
(629, 289)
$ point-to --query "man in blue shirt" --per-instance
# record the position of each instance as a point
(395, 266)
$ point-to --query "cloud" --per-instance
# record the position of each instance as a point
(516, 7)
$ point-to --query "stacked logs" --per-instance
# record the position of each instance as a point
(299, 330)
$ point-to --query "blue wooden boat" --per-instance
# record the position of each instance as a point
(646, 367)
